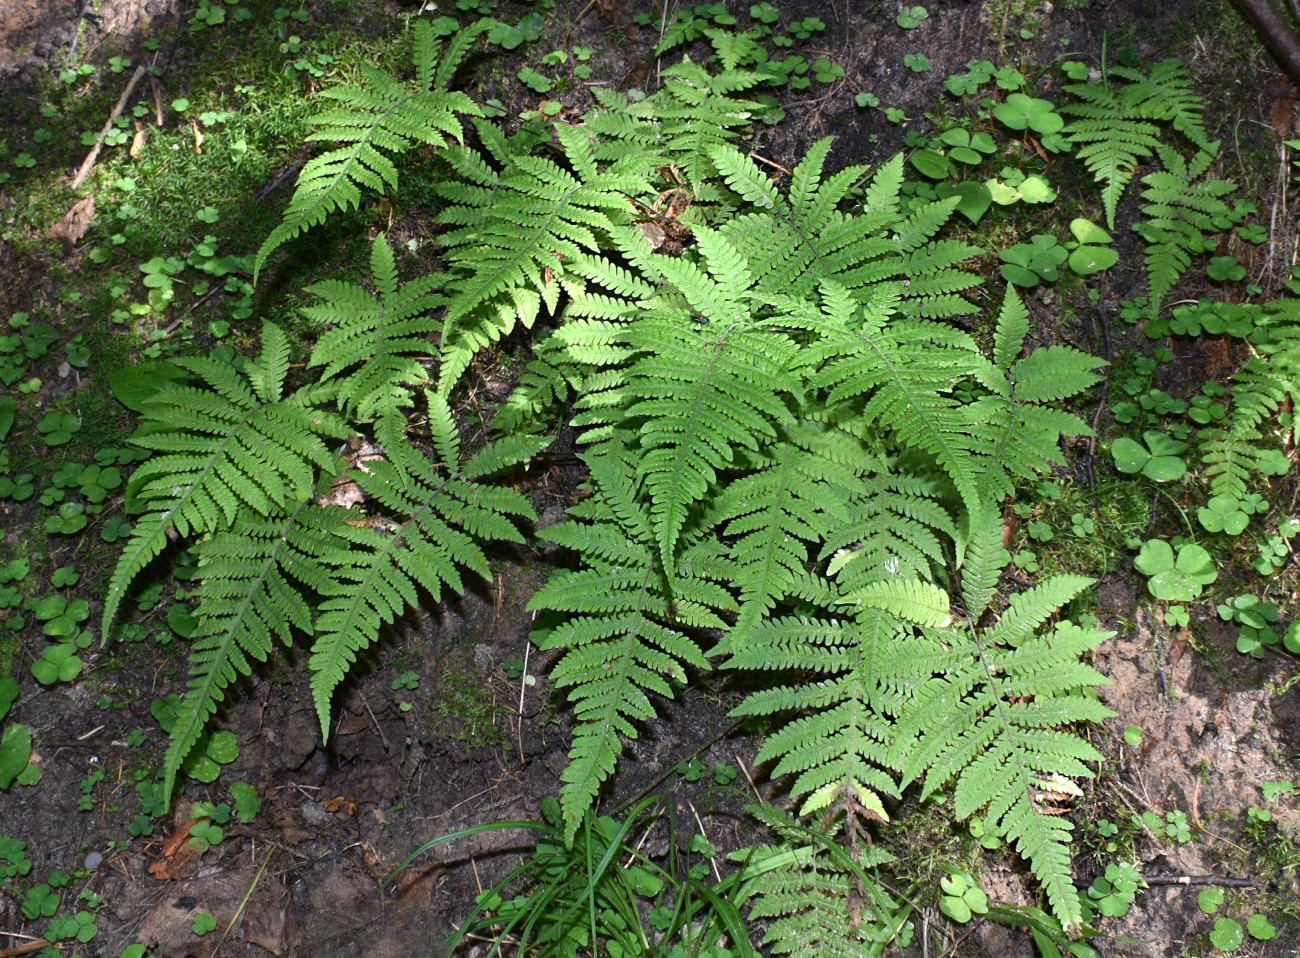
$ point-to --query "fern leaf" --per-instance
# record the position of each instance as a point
(439, 523)
(373, 346)
(222, 447)
(374, 120)
(840, 742)
(256, 577)
(701, 390)
(992, 718)
(815, 898)
(620, 644)
(516, 241)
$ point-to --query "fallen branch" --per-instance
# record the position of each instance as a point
(1278, 35)
(89, 162)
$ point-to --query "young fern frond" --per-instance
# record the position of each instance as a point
(1182, 215)
(1119, 123)
(374, 346)
(434, 524)
(222, 449)
(993, 718)
(373, 121)
(1235, 453)
(623, 639)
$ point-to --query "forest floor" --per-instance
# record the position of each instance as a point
(439, 730)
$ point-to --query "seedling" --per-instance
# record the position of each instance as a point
(916, 62)
(1116, 891)
(909, 18)
(962, 897)
(1028, 264)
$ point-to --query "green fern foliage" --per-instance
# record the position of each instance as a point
(814, 895)
(1247, 446)
(623, 638)
(257, 579)
(224, 447)
(1183, 212)
(374, 347)
(520, 232)
(1119, 121)
(374, 120)
(434, 522)
(994, 716)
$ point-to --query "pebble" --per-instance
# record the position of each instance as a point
(93, 861)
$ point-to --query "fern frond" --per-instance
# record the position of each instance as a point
(223, 448)
(256, 579)
(992, 717)
(620, 641)
(840, 743)
(439, 523)
(373, 346)
(1182, 212)
(702, 388)
(814, 896)
(519, 237)
(374, 120)
(903, 372)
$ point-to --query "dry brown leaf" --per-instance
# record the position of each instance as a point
(74, 224)
(348, 806)
(139, 140)
(267, 928)
(610, 13)
(198, 137)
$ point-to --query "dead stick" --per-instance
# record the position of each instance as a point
(1276, 32)
(25, 949)
(89, 162)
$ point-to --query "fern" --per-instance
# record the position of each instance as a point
(382, 117)
(373, 346)
(257, 578)
(223, 448)
(1181, 215)
(1246, 446)
(992, 718)
(1118, 123)
(518, 233)
(814, 895)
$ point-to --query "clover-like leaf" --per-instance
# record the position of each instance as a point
(1022, 112)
